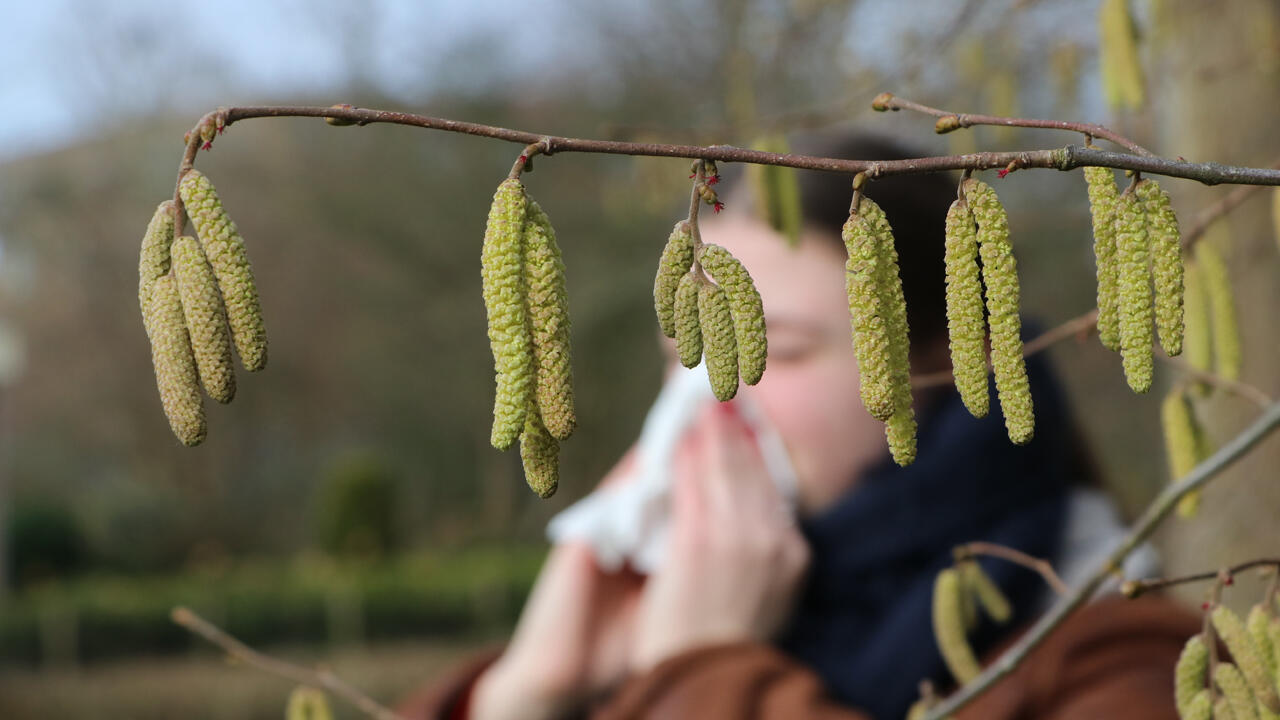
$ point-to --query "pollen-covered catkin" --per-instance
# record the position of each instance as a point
(1189, 674)
(174, 365)
(948, 627)
(548, 309)
(868, 318)
(1166, 264)
(900, 431)
(1222, 709)
(1257, 624)
(502, 270)
(1200, 708)
(225, 250)
(777, 190)
(1232, 682)
(718, 343)
(1247, 657)
(540, 455)
(1118, 50)
(745, 305)
(677, 258)
(688, 329)
(307, 703)
(1000, 274)
(1133, 258)
(966, 326)
(153, 260)
(1178, 422)
(1222, 306)
(1102, 208)
(206, 319)
(989, 595)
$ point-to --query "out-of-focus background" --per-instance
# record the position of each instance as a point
(347, 506)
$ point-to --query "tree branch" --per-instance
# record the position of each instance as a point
(318, 678)
(1138, 532)
(1035, 564)
(1134, 588)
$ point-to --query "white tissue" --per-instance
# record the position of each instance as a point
(629, 520)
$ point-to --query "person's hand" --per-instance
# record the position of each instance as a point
(735, 558)
(572, 642)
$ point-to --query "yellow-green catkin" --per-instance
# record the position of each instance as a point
(1197, 339)
(174, 364)
(1222, 306)
(1231, 680)
(540, 455)
(1273, 636)
(1185, 444)
(868, 318)
(745, 305)
(548, 310)
(1222, 709)
(1199, 708)
(1133, 258)
(900, 430)
(307, 703)
(1102, 207)
(226, 253)
(1257, 623)
(1275, 214)
(677, 258)
(206, 319)
(688, 329)
(1000, 275)
(502, 270)
(966, 326)
(777, 190)
(153, 260)
(1189, 674)
(718, 344)
(1166, 264)
(988, 594)
(1246, 656)
(1118, 50)
(948, 627)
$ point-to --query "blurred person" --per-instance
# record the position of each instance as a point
(755, 614)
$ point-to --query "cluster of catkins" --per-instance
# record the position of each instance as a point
(528, 313)
(878, 317)
(958, 592)
(1247, 685)
(190, 292)
(721, 320)
(1136, 240)
(977, 226)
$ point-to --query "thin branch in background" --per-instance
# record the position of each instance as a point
(1134, 588)
(1141, 529)
(1035, 564)
(320, 678)
(1249, 392)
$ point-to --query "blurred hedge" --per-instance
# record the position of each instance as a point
(313, 600)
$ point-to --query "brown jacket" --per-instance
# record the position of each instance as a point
(1112, 659)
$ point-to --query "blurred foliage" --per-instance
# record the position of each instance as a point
(463, 593)
(356, 507)
(44, 542)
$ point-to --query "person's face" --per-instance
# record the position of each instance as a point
(810, 386)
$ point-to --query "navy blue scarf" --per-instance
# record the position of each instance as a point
(863, 621)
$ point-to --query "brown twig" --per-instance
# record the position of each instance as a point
(1134, 588)
(1138, 532)
(1223, 206)
(1004, 552)
(1249, 392)
(888, 101)
(318, 678)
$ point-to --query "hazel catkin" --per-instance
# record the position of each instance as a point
(983, 588)
(175, 366)
(966, 326)
(1232, 682)
(688, 329)
(900, 431)
(206, 319)
(540, 455)
(1118, 51)
(901, 427)
(1222, 307)
(1166, 264)
(1185, 444)
(868, 318)
(1102, 206)
(1197, 340)
(1246, 656)
(1000, 275)
(153, 260)
(1200, 708)
(226, 253)
(1257, 623)
(677, 258)
(948, 627)
(1189, 673)
(744, 305)
(1133, 258)
(502, 272)
(548, 313)
(718, 344)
